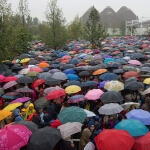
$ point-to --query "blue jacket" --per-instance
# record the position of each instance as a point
(17, 116)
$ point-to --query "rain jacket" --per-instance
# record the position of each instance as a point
(28, 112)
(17, 116)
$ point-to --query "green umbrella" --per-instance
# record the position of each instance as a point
(72, 114)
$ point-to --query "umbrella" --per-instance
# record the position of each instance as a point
(72, 89)
(134, 85)
(21, 100)
(36, 69)
(4, 114)
(134, 127)
(118, 71)
(146, 81)
(13, 137)
(53, 81)
(130, 74)
(44, 139)
(13, 106)
(41, 102)
(142, 142)
(93, 94)
(69, 129)
(134, 62)
(55, 94)
(43, 65)
(69, 71)
(9, 84)
(114, 139)
(89, 113)
(72, 77)
(129, 68)
(24, 71)
(32, 74)
(111, 97)
(114, 65)
(84, 73)
(8, 79)
(108, 76)
(72, 83)
(114, 86)
(89, 146)
(102, 84)
(25, 60)
(128, 104)
(147, 91)
(72, 114)
(76, 99)
(54, 70)
(74, 61)
(25, 79)
(59, 76)
(139, 114)
(99, 71)
(89, 83)
(29, 124)
(24, 90)
(37, 82)
(45, 75)
(131, 79)
(110, 109)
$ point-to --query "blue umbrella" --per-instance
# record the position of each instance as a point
(134, 127)
(69, 71)
(89, 83)
(109, 60)
(73, 77)
(76, 99)
(60, 55)
(108, 76)
(139, 114)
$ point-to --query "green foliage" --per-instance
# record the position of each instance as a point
(93, 30)
(122, 28)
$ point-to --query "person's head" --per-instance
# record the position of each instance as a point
(31, 107)
(138, 97)
(39, 110)
(65, 104)
(23, 111)
(57, 101)
(105, 119)
(120, 117)
(111, 118)
(91, 126)
(107, 125)
(46, 118)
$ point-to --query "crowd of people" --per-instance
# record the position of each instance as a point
(43, 75)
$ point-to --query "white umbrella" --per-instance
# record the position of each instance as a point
(109, 109)
(89, 146)
(127, 105)
(89, 113)
(69, 129)
(147, 91)
(24, 71)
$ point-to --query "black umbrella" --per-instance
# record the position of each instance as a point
(89, 83)
(111, 97)
(118, 71)
(29, 124)
(114, 65)
(72, 83)
(67, 66)
(45, 75)
(41, 102)
(131, 79)
(84, 73)
(52, 81)
(25, 79)
(33, 62)
(16, 67)
(134, 85)
(44, 139)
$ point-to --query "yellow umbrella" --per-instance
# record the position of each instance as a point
(72, 89)
(13, 106)
(147, 81)
(4, 114)
(24, 60)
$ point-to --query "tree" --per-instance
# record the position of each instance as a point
(122, 28)
(93, 30)
(56, 23)
(35, 21)
(75, 29)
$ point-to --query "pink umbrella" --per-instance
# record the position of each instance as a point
(36, 69)
(21, 100)
(2, 77)
(9, 84)
(48, 90)
(13, 137)
(66, 57)
(134, 62)
(93, 94)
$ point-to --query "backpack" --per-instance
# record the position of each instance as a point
(30, 117)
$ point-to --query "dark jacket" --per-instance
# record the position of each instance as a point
(36, 119)
(52, 111)
(66, 145)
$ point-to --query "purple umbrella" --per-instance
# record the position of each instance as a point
(21, 100)
(102, 84)
(107, 56)
(24, 90)
(9, 84)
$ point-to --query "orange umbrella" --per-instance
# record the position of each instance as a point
(4, 114)
(130, 74)
(82, 64)
(43, 65)
(99, 71)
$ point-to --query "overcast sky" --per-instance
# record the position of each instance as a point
(71, 8)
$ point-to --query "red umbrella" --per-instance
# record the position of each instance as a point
(130, 74)
(142, 142)
(37, 82)
(55, 94)
(114, 140)
(2, 77)
(11, 78)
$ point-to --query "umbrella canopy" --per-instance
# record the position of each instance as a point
(4, 114)
(139, 114)
(108, 76)
(134, 127)
(111, 96)
(89, 113)
(72, 89)
(24, 90)
(9, 84)
(72, 83)
(47, 138)
(21, 100)
(41, 102)
(84, 73)
(72, 77)
(37, 82)
(21, 136)
(76, 99)
(93, 94)
(29, 124)
(36, 69)
(72, 114)
(59, 76)
(89, 83)
(131, 79)
(146, 81)
(43, 65)
(13, 106)
(25, 60)
(69, 71)
(106, 141)
(109, 109)
(53, 82)
(32, 74)
(102, 84)
(130, 74)
(8, 79)
(25, 79)
(55, 94)
(99, 71)
(128, 104)
(142, 142)
(24, 71)
(45, 75)
(69, 129)
(134, 85)
(114, 86)
(134, 62)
